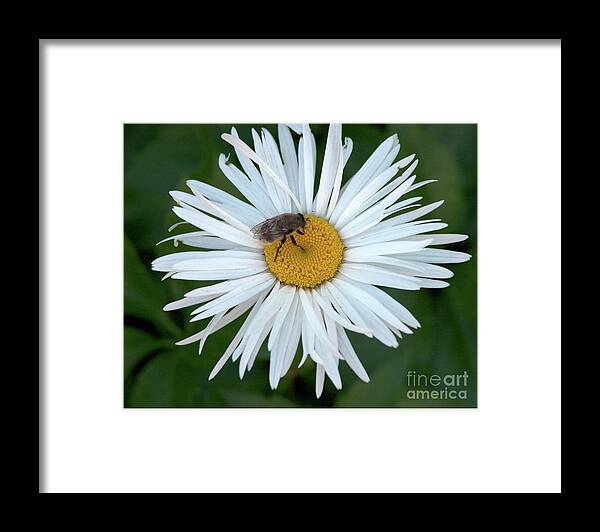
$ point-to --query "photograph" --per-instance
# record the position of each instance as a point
(297, 265)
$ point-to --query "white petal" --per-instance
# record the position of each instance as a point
(274, 192)
(371, 167)
(325, 304)
(354, 290)
(400, 206)
(440, 239)
(236, 142)
(354, 206)
(254, 351)
(343, 305)
(294, 338)
(252, 190)
(261, 326)
(296, 128)
(280, 320)
(330, 327)
(390, 193)
(198, 201)
(248, 214)
(245, 212)
(308, 166)
(187, 302)
(212, 324)
(363, 253)
(432, 283)
(307, 341)
(350, 356)
(348, 145)
(366, 172)
(226, 286)
(394, 306)
(231, 299)
(216, 227)
(394, 233)
(413, 268)
(224, 263)
(418, 213)
(375, 213)
(391, 225)
(421, 184)
(210, 275)
(366, 273)
(320, 380)
(249, 168)
(200, 239)
(331, 162)
(438, 256)
(280, 343)
(166, 262)
(320, 347)
(237, 339)
(316, 323)
(338, 177)
(232, 315)
(380, 330)
(288, 343)
(290, 159)
(273, 159)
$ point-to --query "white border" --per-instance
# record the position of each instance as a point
(510, 443)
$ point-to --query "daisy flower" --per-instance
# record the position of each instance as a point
(309, 290)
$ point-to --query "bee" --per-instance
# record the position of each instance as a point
(279, 228)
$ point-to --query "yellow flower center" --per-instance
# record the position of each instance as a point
(315, 261)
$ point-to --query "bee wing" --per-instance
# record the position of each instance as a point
(259, 227)
(268, 230)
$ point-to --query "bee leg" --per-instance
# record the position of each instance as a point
(280, 245)
(295, 243)
(300, 232)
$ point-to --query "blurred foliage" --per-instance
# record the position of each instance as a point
(159, 158)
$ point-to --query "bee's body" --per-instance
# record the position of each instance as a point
(279, 228)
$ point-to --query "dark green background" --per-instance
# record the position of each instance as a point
(159, 158)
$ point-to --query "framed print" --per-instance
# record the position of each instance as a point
(300, 266)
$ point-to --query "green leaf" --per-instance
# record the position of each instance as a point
(139, 345)
(144, 297)
(167, 379)
(383, 390)
(159, 159)
(241, 398)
